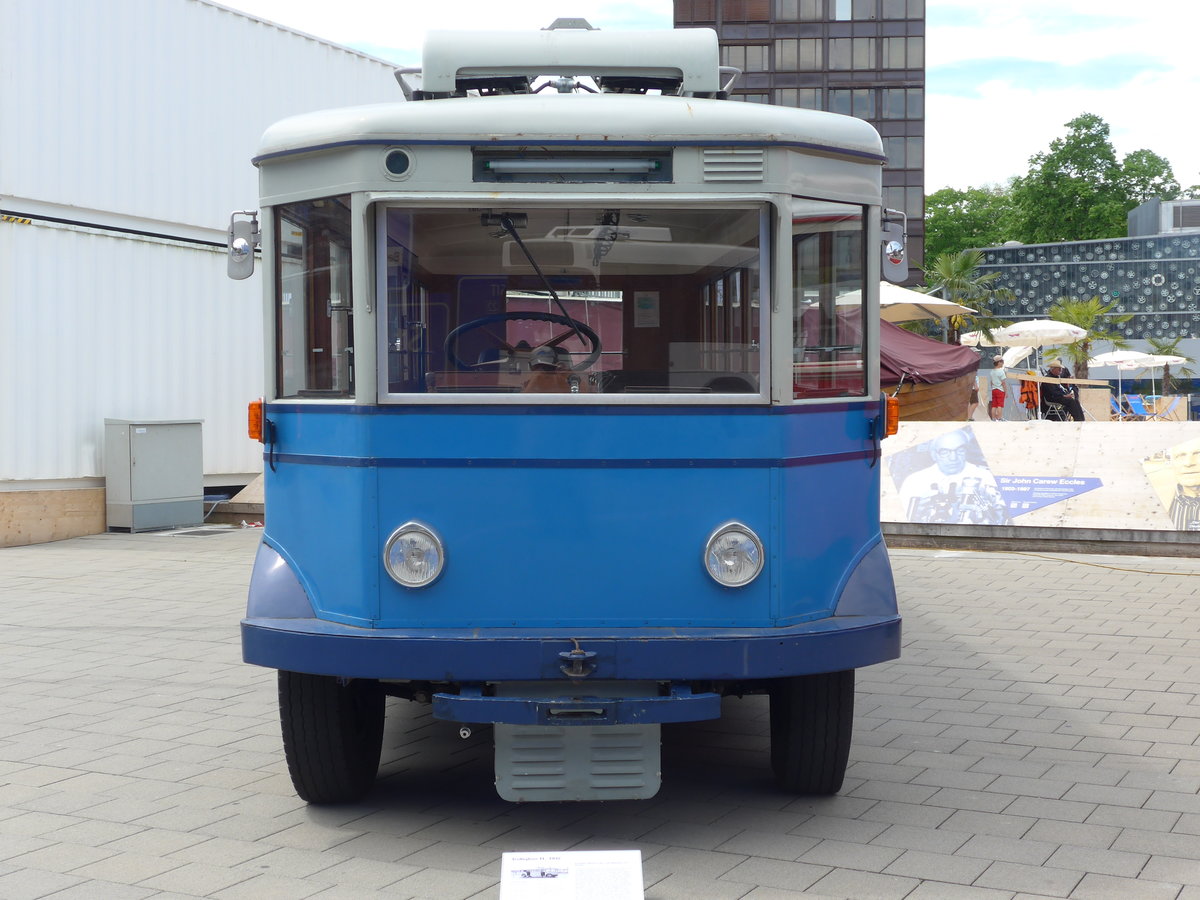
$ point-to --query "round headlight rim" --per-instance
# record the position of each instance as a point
(421, 528)
(735, 525)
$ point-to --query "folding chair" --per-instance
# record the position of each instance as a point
(1166, 413)
(1054, 412)
(1139, 407)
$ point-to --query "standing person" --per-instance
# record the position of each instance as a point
(997, 381)
(973, 398)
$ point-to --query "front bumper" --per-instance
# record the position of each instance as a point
(491, 655)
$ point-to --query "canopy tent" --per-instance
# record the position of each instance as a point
(914, 357)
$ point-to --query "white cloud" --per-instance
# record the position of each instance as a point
(988, 138)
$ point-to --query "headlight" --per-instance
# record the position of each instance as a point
(733, 555)
(414, 555)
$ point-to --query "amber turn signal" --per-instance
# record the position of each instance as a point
(892, 425)
(254, 420)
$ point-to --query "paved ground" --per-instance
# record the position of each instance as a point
(1039, 738)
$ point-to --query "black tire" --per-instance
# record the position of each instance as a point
(332, 735)
(812, 720)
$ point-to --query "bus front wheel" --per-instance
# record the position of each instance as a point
(812, 719)
(332, 735)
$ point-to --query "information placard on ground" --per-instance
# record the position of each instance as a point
(572, 875)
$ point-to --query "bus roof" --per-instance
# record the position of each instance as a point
(607, 119)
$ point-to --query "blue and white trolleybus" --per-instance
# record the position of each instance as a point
(572, 420)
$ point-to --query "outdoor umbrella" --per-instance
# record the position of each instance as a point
(897, 304)
(1153, 361)
(1032, 333)
(1122, 361)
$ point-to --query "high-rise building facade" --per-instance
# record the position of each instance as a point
(864, 58)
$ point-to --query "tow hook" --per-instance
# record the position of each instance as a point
(579, 661)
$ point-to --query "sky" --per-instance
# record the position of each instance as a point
(1003, 78)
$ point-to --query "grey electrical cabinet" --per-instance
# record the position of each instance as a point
(154, 474)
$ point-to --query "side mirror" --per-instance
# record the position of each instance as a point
(894, 238)
(242, 240)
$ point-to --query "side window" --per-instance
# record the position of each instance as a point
(314, 334)
(828, 264)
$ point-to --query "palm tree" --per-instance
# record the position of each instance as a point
(956, 277)
(1170, 347)
(1096, 318)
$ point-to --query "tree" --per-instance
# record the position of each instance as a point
(1078, 190)
(955, 277)
(1145, 176)
(957, 220)
(1170, 347)
(1096, 318)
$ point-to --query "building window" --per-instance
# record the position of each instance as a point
(747, 57)
(695, 10)
(793, 55)
(858, 102)
(864, 9)
(746, 10)
(799, 10)
(902, 103)
(752, 97)
(915, 147)
(841, 10)
(800, 98)
(903, 9)
(903, 52)
(852, 53)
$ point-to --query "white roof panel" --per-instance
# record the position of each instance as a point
(584, 118)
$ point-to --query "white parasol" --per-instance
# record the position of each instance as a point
(1014, 355)
(897, 304)
(1032, 333)
(1130, 360)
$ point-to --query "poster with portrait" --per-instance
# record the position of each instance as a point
(1174, 474)
(947, 480)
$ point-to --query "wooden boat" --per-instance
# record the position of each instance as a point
(932, 380)
(939, 401)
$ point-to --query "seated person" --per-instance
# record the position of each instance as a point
(1065, 395)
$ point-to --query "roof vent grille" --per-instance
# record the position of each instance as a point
(729, 164)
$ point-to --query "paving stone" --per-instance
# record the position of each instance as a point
(1098, 861)
(941, 867)
(788, 876)
(864, 885)
(1030, 879)
(1106, 887)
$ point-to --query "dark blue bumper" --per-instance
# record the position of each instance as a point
(488, 655)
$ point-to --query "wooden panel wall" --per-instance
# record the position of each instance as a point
(35, 517)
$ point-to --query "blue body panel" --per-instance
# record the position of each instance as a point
(572, 522)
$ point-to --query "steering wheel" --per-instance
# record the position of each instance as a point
(523, 349)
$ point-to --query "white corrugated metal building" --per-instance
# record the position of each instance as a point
(128, 128)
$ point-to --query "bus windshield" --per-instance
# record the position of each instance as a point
(571, 300)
